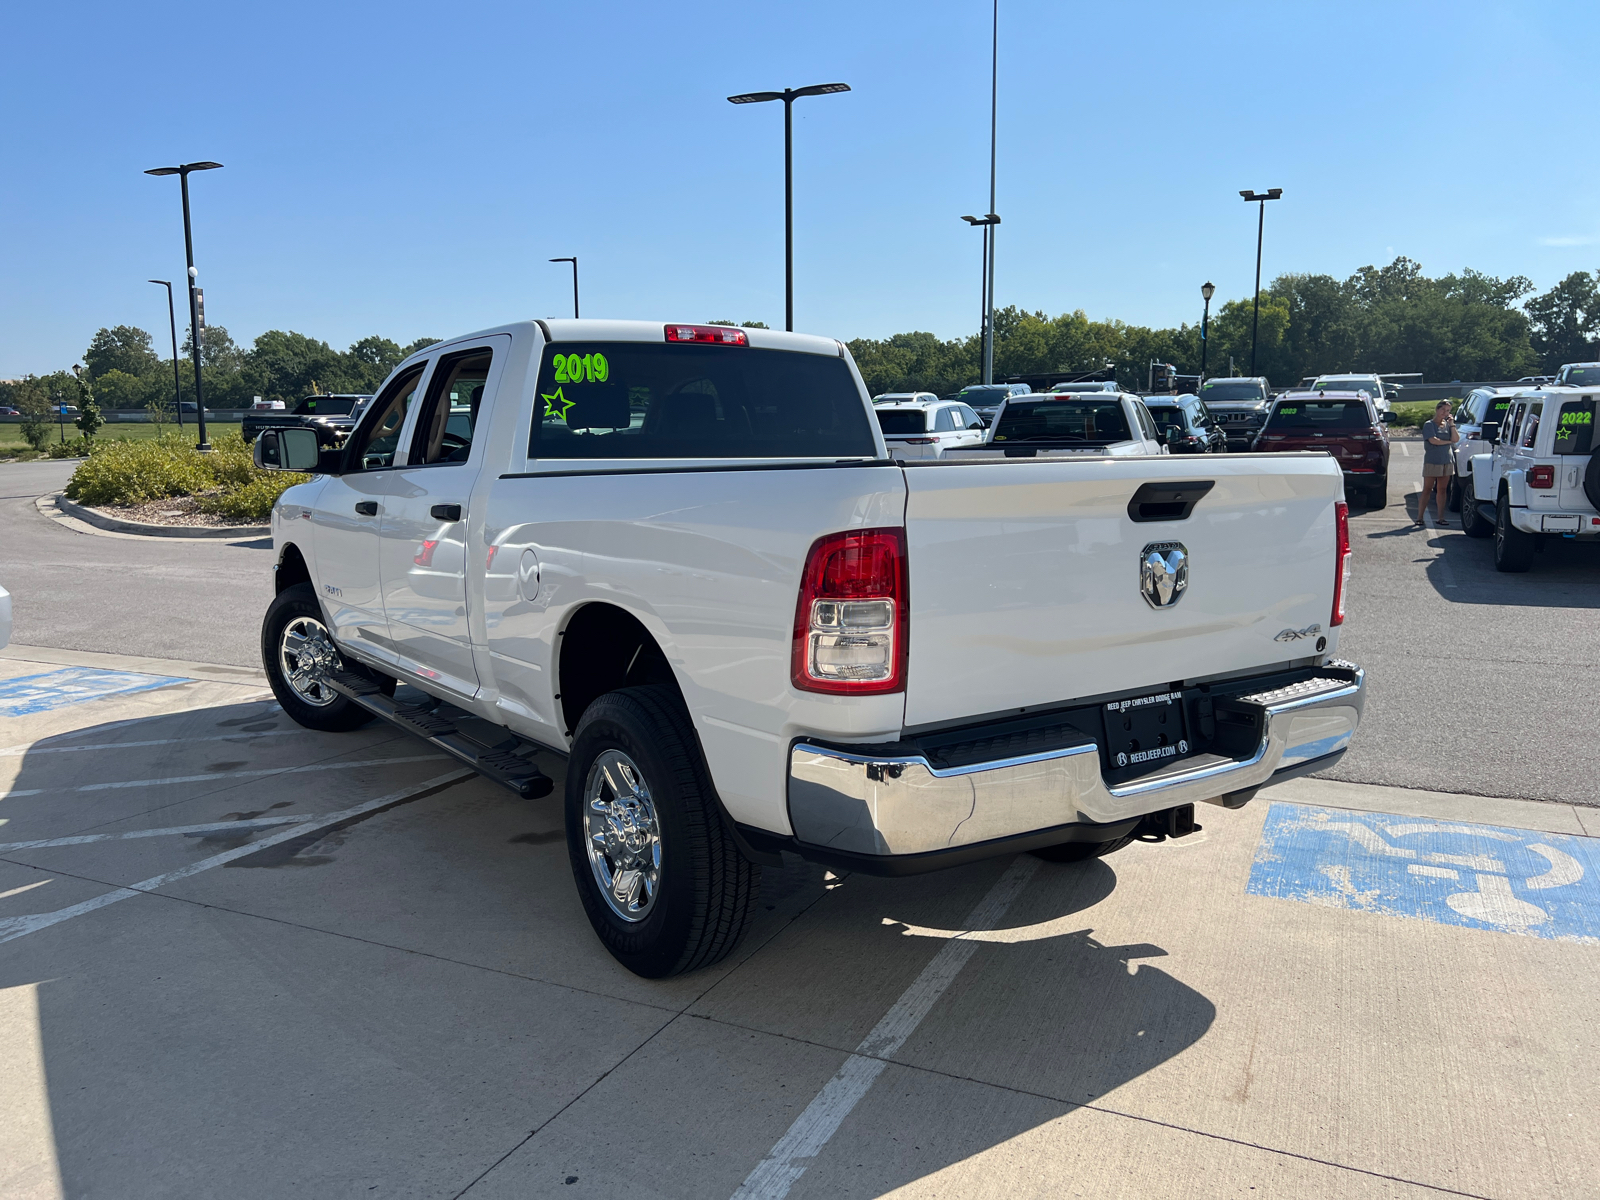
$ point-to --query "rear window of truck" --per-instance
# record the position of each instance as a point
(1318, 414)
(1575, 428)
(1075, 420)
(325, 406)
(670, 400)
(1213, 392)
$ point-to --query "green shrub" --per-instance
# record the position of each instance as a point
(252, 501)
(78, 447)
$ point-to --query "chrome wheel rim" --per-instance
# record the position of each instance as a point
(622, 835)
(307, 656)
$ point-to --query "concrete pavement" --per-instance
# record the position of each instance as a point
(409, 1001)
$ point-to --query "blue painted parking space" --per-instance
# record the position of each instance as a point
(72, 685)
(1453, 873)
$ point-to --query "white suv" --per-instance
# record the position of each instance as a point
(1381, 393)
(1540, 479)
(926, 430)
(1482, 404)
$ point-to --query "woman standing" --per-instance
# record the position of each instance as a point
(1439, 438)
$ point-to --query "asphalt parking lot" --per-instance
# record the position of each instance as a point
(245, 959)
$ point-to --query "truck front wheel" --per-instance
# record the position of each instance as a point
(661, 880)
(299, 654)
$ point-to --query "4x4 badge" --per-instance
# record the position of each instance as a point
(1163, 573)
(1295, 635)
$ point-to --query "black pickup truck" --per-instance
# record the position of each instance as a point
(331, 416)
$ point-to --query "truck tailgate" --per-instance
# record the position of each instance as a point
(1025, 577)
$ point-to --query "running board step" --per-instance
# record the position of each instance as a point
(496, 764)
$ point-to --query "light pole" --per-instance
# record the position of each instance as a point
(574, 261)
(994, 93)
(182, 172)
(1207, 290)
(1261, 221)
(172, 321)
(788, 96)
(986, 292)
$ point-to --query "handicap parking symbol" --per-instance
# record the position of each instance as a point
(1451, 872)
(54, 689)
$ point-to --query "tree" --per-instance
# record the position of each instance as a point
(89, 420)
(32, 399)
(118, 389)
(1566, 321)
(421, 343)
(369, 361)
(123, 348)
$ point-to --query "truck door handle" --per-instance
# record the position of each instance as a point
(445, 512)
(366, 508)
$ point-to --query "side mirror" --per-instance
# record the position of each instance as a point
(1173, 433)
(1491, 432)
(287, 450)
(1388, 418)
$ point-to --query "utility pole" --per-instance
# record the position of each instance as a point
(1259, 198)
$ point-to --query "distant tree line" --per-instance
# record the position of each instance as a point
(1392, 319)
(1469, 326)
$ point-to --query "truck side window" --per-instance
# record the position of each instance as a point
(444, 431)
(378, 436)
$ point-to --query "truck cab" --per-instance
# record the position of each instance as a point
(1540, 478)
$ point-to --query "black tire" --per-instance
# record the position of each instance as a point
(1378, 493)
(1472, 521)
(1081, 851)
(1513, 549)
(1453, 494)
(1591, 480)
(704, 889)
(300, 698)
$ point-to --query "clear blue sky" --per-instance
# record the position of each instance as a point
(407, 169)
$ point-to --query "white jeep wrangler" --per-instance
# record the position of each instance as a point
(1540, 477)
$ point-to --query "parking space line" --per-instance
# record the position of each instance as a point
(171, 831)
(16, 927)
(781, 1169)
(137, 783)
(31, 748)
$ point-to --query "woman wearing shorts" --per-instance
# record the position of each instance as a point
(1439, 438)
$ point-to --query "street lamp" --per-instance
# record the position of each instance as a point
(986, 293)
(1261, 219)
(1207, 290)
(182, 172)
(574, 261)
(788, 96)
(172, 321)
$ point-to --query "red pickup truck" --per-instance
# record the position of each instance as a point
(1344, 425)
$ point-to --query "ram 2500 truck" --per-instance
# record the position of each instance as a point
(678, 557)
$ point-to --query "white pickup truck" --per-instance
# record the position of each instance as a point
(1540, 478)
(678, 557)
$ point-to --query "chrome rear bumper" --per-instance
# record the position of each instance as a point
(899, 805)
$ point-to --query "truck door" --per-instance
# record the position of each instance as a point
(346, 518)
(424, 543)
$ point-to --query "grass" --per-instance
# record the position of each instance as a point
(11, 433)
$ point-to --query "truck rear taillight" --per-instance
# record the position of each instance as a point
(709, 335)
(920, 441)
(1542, 476)
(851, 623)
(1341, 566)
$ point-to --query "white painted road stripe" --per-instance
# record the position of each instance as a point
(16, 927)
(133, 783)
(13, 751)
(85, 838)
(781, 1169)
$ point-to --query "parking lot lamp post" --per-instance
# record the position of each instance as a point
(788, 96)
(182, 172)
(1260, 198)
(172, 322)
(574, 261)
(986, 292)
(1207, 290)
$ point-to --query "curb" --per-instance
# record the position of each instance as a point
(100, 520)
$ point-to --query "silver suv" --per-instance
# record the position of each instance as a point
(1373, 385)
(1240, 405)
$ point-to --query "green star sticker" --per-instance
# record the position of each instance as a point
(551, 402)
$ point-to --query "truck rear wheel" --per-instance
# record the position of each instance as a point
(1081, 851)
(1378, 493)
(1472, 522)
(1513, 549)
(299, 654)
(660, 878)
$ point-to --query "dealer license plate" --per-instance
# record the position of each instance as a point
(1144, 731)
